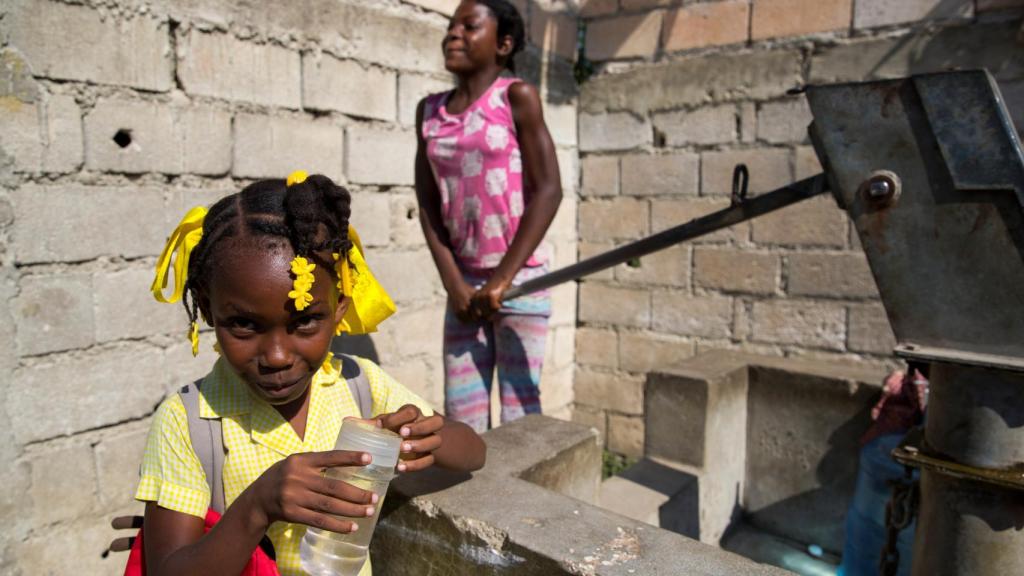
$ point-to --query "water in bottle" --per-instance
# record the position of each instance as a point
(325, 553)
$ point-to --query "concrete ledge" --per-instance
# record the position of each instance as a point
(498, 522)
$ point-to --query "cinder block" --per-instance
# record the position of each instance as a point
(221, 66)
(75, 42)
(414, 87)
(445, 7)
(87, 231)
(420, 376)
(693, 81)
(405, 220)
(621, 218)
(732, 270)
(43, 135)
(642, 4)
(591, 8)
(348, 87)
(872, 13)
(406, 275)
(600, 176)
(613, 131)
(594, 418)
(708, 125)
(54, 313)
(645, 352)
(556, 389)
(814, 222)
(269, 147)
(803, 323)
(395, 41)
(371, 217)
(63, 483)
(561, 123)
(563, 305)
(668, 267)
(137, 137)
(180, 366)
(118, 456)
(784, 122)
(377, 156)
(554, 32)
(426, 321)
(81, 539)
(561, 351)
(662, 175)
(843, 275)
(774, 18)
(568, 170)
(667, 214)
(597, 347)
(617, 392)
(703, 316)
(626, 435)
(708, 24)
(962, 47)
(806, 162)
(869, 330)
(591, 249)
(125, 308)
(748, 122)
(104, 391)
(602, 304)
(769, 168)
(624, 36)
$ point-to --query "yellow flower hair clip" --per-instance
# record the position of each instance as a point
(303, 271)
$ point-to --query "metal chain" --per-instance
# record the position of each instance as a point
(899, 513)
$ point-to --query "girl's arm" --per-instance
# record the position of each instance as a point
(540, 171)
(293, 490)
(429, 199)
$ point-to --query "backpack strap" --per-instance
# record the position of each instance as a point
(353, 373)
(207, 443)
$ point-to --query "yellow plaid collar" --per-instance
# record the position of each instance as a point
(224, 393)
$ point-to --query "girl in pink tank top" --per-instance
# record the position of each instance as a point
(488, 188)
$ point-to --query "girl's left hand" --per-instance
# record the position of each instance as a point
(487, 300)
(419, 436)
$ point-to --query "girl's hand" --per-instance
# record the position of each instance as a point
(295, 490)
(487, 300)
(419, 436)
(460, 299)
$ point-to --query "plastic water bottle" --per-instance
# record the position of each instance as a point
(325, 553)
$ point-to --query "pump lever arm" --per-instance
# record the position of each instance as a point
(738, 212)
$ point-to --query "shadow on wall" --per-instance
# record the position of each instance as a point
(551, 51)
(356, 345)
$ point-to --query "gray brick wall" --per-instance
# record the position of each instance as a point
(206, 96)
(662, 124)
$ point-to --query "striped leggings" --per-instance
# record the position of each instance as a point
(511, 343)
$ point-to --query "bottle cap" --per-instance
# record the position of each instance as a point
(361, 436)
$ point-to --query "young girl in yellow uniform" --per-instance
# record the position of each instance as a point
(275, 270)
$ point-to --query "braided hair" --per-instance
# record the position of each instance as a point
(310, 217)
(510, 23)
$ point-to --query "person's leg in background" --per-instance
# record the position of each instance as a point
(469, 357)
(520, 340)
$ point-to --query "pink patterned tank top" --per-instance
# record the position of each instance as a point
(479, 172)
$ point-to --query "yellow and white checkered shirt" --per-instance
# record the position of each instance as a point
(256, 436)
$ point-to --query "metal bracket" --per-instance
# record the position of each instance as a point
(909, 453)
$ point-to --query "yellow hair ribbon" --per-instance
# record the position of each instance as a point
(181, 242)
(369, 303)
(297, 177)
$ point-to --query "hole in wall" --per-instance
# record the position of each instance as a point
(410, 214)
(123, 138)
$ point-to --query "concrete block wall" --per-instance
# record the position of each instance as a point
(115, 118)
(682, 92)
